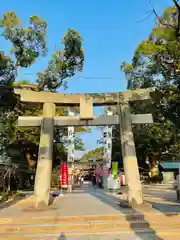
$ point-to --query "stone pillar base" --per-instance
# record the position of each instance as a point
(41, 205)
(135, 196)
(70, 176)
(134, 188)
(70, 188)
(144, 207)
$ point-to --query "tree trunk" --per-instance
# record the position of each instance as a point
(154, 168)
(30, 161)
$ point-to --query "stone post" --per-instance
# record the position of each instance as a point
(45, 157)
(107, 132)
(70, 184)
(129, 157)
(71, 150)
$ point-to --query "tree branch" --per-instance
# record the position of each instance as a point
(146, 17)
(178, 24)
(160, 20)
(167, 24)
(176, 4)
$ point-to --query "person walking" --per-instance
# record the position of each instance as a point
(82, 180)
(79, 179)
(94, 180)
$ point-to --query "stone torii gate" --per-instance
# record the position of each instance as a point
(86, 118)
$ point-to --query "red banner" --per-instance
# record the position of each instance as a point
(64, 174)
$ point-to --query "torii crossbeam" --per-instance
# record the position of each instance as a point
(66, 121)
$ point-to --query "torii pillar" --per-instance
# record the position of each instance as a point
(135, 195)
(71, 148)
(45, 157)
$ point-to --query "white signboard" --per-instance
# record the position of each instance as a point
(71, 139)
(107, 135)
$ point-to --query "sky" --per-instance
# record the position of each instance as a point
(111, 31)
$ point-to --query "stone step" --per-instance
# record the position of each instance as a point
(138, 234)
(34, 228)
(86, 226)
(165, 227)
(154, 216)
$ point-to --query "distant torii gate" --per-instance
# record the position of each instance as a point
(86, 118)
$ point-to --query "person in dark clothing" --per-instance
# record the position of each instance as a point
(13, 182)
(94, 180)
(100, 182)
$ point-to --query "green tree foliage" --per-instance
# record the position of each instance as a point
(157, 59)
(30, 43)
(8, 103)
(79, 144)
(27, 45)
(64, 63)
(95, 154)
(156, 63)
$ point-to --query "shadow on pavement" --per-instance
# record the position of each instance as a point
(15, 200)
(150, 234)
(163, 199)
(167, 194)
(166, 209)
(113, 202)
(62, 237)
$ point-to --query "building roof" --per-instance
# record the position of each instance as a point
(170, 165)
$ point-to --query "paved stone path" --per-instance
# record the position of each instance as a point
(162, 197)
(88, 201)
